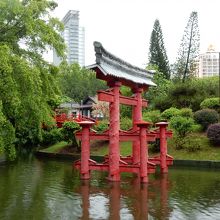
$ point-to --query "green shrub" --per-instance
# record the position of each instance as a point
(211, 103)
(205, 117)
(186, 112)
(189, 143)
(68, 131)
(152, 116)
(181, 125)
(170, 112)
(197, 128)
(101, 126)
(213, 133)
(178, 142)
(125, 123)
(51, 136)
(192, 144)
(154, 146)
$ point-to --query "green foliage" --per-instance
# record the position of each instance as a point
(7, 137)
(125, 111)
(182, 95)
(152, 116)
(197, 128)
(189, 143)
(211, 103)
(154, 146)
(181, 125)
(68, 130)
(157, 51)
(213, 134)
(192, 144)
(157, 95)
(206, 117)
(27, 82)
(51, 136)
(169, 113)
(101, 126)
(78, 83)
(29, 22)
(125, 123)
(186, 112)
(186, 64)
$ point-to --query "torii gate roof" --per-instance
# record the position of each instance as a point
(109, 66)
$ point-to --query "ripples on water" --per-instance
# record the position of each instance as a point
(40, 189)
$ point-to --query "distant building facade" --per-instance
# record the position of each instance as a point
(209, 63)
(74, 38)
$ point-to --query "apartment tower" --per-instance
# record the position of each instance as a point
(209, 63)
(74, 37)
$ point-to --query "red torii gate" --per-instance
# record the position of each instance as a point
(117, 72)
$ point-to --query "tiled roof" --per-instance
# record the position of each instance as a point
(116, 67)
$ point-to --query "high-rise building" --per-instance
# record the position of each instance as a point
(209, 63)
(74, 38)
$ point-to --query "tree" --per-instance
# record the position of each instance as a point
(157, 51)
(27, 82)
(186, 64)
(27, 27)
(78, 83)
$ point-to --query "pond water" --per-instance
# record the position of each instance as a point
(45, 189)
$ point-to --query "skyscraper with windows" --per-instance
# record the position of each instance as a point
(209, 63)
(74, 37)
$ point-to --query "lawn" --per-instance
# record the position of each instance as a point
(206, 151)
(55, 148)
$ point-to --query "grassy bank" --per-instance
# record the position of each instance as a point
(55, 148)
(205, 152)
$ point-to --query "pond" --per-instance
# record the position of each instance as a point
(47, 189)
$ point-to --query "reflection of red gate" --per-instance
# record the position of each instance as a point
(117, 73)
(63, 117)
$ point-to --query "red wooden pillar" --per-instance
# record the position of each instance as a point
(144, 202)
(163, 146)
(143, 151)
(84, 188)
(136, 116)
(85, 149)
(114, 127)
(114, 201)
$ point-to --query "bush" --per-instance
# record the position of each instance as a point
(205, 117)
(101, 126)
(170, 112)
(213, 133)
(152, 116)
(68, 130)
(126, 123)
(189, 143)
(181, 125)
(211, 103)
(51, 136)
(154, 146)
(186, 112)
(192, 144)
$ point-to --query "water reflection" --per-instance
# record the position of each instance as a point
(125, 201)
(39, 189)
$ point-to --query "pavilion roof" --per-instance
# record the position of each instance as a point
(110, 65)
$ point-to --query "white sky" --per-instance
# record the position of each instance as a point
(124, 26)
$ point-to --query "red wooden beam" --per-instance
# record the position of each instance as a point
(109, 97)
(123, 136)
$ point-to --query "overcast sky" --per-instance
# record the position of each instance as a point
(124, 26)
